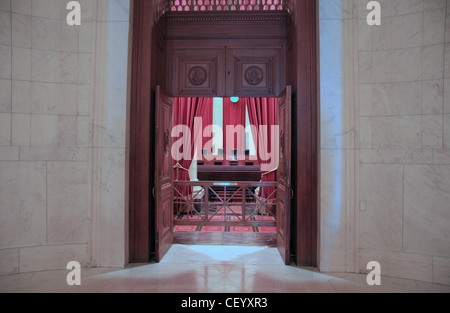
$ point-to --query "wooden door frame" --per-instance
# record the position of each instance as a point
(302, 74)
(141, 179)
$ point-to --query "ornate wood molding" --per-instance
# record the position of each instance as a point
(233, 16)
(229, 5)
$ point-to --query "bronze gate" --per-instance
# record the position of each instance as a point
(225, 204)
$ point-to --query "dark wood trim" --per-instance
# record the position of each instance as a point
(226, 238)
(226, 25)
(227, 16)
(148, 68)
(140, 133)
(302, 56)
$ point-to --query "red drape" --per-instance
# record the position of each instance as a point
(185, 112)
(263, 111)
(234, 115)
(207, 115)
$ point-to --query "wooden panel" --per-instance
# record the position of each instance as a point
(255, 61)
(164, 174)
(228, 173)
(225, 238)
(283, 176)
(283, 234)
(254, 71)
(198, 72)
(164, 238)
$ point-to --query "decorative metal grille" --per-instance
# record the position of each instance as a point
(225, 204)
(227, 5)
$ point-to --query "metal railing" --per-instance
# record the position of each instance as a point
(227, 5)
(225, 204)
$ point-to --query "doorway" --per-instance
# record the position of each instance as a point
(236, 190)
(225, 186)
(293, 36)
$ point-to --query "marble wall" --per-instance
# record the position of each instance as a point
(63, 100)
(384, 154)
(338, 137)
(398, 162)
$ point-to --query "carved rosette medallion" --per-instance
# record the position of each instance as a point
(197, 76)
(254, 76)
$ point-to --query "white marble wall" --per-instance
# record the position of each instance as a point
(338, 130)
(109, 115)
(385, 120)
(399, 106)
(63, 100)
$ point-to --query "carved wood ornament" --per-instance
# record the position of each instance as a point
(197, 76)
(225, 54)
(254, 76)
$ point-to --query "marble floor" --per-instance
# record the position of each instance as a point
(211, 269)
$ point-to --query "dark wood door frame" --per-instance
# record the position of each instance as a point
(141, 156)
(301, 74)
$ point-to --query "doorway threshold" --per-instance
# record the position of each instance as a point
(225, 238)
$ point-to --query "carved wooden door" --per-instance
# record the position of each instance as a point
(284, 174)
(164, 174)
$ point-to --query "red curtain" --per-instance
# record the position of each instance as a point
(234, 115)
(263, 111)
(185, 112)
